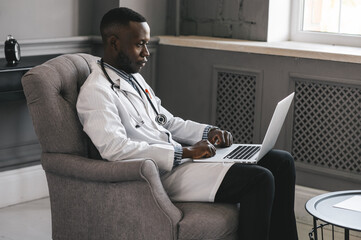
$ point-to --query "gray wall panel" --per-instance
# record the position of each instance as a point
(185, 78)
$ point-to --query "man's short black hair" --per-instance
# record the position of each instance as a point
(118, 16)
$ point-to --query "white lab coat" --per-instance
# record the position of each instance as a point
(121, 124)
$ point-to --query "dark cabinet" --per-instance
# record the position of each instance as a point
(19, 146)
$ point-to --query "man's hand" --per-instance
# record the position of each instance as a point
(202, 149)
(220, 138)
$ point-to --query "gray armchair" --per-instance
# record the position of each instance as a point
(96, 199)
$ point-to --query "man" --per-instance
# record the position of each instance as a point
(125, 120)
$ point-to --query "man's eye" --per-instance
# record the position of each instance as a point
(142, 44)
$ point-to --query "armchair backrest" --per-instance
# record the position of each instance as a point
(51, 90)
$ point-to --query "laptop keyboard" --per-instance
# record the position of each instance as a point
(243, 152)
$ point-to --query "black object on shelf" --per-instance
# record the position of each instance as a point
(12, 51)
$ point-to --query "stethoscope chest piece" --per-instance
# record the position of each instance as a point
(161, 119)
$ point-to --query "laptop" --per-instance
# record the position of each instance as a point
(252, 153)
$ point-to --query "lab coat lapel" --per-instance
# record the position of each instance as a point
(123, 85)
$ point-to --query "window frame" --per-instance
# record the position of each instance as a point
(296, 34)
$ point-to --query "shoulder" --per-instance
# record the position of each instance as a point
(96, 84)
(96, 78)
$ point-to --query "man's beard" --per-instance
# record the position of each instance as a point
(125, 63)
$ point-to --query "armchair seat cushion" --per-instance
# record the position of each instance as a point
(207, 221)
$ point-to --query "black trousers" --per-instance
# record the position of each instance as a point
(265, 193)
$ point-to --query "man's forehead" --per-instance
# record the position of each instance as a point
(133, 29)
(139, 26)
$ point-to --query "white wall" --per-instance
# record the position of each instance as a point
(38, 19)
(48, 19)
(67, 26)
(279, 18)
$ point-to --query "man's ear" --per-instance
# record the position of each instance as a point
(113, 42)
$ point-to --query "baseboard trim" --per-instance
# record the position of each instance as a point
(22, 185)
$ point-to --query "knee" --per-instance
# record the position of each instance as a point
(284, 159)
(269, 185)
(266, 180)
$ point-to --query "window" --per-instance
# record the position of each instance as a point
(335, 22)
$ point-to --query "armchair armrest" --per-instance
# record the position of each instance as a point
(69, 165)
(125, 173)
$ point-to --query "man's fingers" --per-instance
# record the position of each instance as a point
(217, 140)
(229, 139)
(212, 150)
(223, 137)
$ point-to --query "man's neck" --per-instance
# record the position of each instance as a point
(122, 73)
(110, 62)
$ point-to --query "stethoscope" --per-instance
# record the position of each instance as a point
(160, 118)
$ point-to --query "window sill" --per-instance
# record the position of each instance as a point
(284, 48)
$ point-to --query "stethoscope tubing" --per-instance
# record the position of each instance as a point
(141, 120)
(161, 119)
